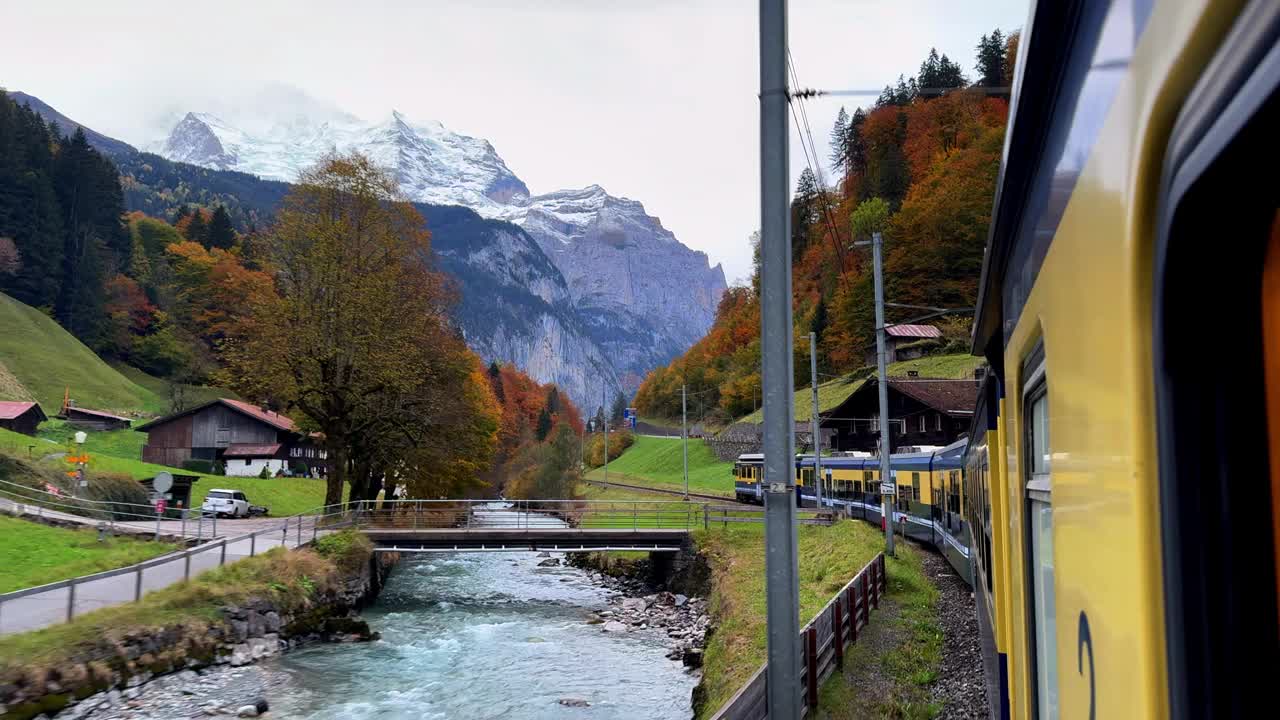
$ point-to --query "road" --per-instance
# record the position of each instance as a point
(35, 608)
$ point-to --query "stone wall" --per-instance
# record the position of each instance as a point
(243, 634)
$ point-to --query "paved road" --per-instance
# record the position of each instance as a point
(52, 606)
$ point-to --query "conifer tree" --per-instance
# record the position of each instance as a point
(196, 228)
(219, 233)
(544, 425)
(839, 141)
(990, 59)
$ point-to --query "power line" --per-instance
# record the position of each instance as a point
(804, 132)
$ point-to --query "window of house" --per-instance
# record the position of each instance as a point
(1039, 533)
(875, 424)
(246, 461)
(937, 422)
(922, 419)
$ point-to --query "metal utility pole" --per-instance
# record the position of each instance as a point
(684, 437)
(876, 242)
(604, 398)
(782, 589)
(813, 417)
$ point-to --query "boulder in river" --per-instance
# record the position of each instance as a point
(614, 626)
(549, 562)
(574, 702)
(692, 657)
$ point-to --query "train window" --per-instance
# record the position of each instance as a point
(1039, 533)
(915, 486)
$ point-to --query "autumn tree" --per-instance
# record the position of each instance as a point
(357, 316)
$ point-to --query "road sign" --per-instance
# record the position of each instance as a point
(162, 482)
(160, 506)
(887, 488)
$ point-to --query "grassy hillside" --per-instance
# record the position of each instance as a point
(38, 360)
(657, 462)
(834, 392)
(33, 554)
(45, 359)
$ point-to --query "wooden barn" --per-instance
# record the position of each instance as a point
(93, 419)
(243, 436)
(21, 417)
(922, 411)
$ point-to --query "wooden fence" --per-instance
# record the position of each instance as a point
(822, 644)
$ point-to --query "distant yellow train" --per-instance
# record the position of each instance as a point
(1123, 475)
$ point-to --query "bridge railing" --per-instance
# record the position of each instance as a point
(533, 514)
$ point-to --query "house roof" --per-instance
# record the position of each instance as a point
(250, 451)
(274, 419)
(13, 410)
(954, 397)
(919, 331)
(95, 413)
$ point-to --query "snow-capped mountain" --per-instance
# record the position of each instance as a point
(432, 164)
(642, 296)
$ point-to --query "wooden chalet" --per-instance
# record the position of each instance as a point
(922, 411)
(905, 342)
(21, 417)
(245, 438)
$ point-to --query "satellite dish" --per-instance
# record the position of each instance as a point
(162, 482)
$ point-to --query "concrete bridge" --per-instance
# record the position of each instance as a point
(525, 525)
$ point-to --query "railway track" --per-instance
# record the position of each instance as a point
(659, 491)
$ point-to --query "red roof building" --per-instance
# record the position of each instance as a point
(21, 417)
(243, 437)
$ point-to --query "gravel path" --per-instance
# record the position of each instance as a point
(960, 687)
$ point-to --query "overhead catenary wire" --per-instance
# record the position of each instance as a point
(806, 132)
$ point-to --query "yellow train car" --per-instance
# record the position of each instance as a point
(1123, 474)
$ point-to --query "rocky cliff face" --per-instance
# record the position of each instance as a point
(643, 295)
(515, 306)
(604, 294)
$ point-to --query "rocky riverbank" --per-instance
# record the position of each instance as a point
(641, 604)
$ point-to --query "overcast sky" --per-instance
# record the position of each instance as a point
(654, 100)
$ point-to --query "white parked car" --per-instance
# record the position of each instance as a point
(226, 503)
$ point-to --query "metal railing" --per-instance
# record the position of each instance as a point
(531, 514)
(822, 644)
(44, 605)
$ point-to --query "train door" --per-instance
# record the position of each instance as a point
(1218, 413)
(1038, 530)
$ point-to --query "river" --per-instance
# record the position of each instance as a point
(485, 635)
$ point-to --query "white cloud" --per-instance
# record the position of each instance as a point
(653, 100)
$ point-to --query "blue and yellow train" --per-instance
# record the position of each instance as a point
(928, 502)
(1120, 499)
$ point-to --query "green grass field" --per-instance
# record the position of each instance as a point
(284, 496)
(46, 359)
(657, 462)
(33, 554)
(829, 557)
(833, 392)
(40, 360)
